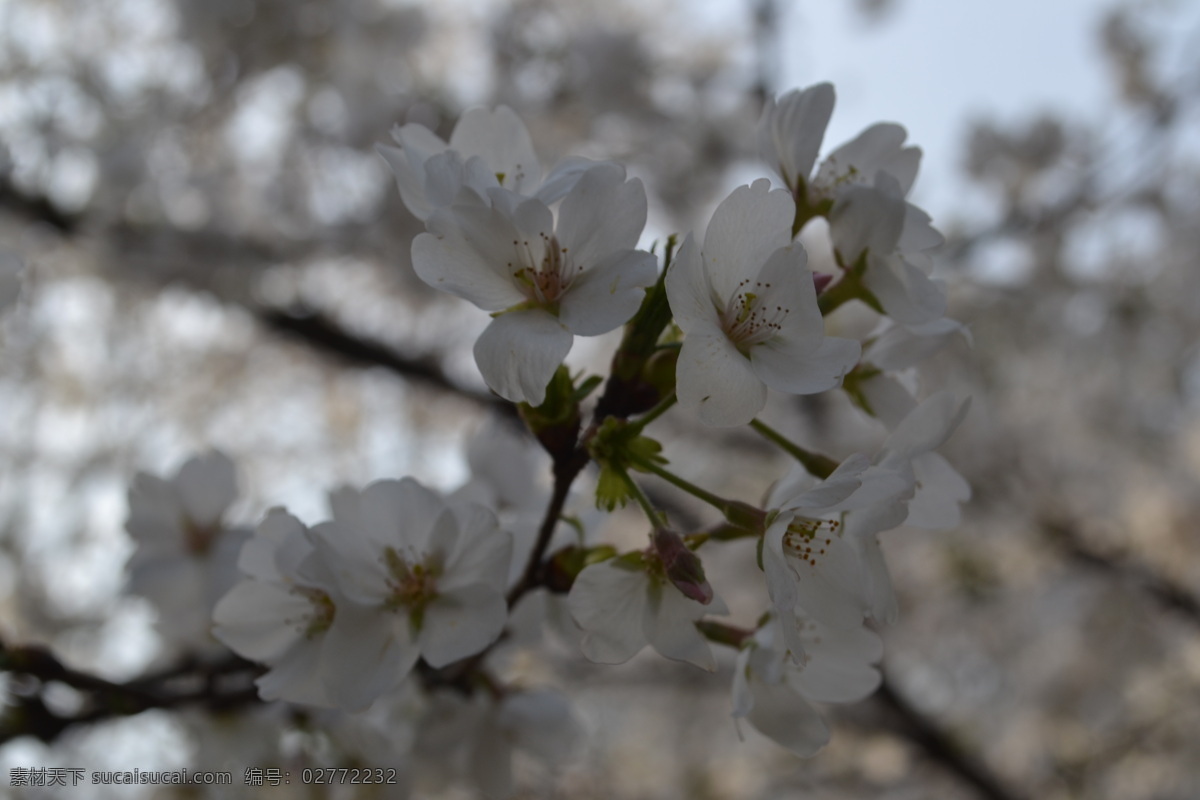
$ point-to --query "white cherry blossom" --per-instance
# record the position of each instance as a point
(422, 579)
(280, 614)
(790, 132)
(487, 149)
(774, 687)
(186, 557)
(547, 280)
(748, 307)
(625, 603)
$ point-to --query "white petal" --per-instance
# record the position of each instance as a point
(689, 293)
(829, 590)
(877, 582)
(207, 486)
(501, 139)
(879, 147)
(783, 715)
(669, 625)
(867, 218)
(941, 489)
(928, 426)
(798, 490)
(887, 399)
(786, 281)
(602, 213)
(919, 233)
(258, 556)
(443, 178)
(905, 292)
(368, 652)
(746, 228)
(829, 681)
(401, 513)
(347, 558)
(460, 623)
(483, 556)
(258, 620)
(819, 371)
(901, 347)
(155, 512)
(609, 603)
(717, 382)
(563, 178)
(608, 295)
(519, 352)
(791, 130)
(296, 678)
(453, 263)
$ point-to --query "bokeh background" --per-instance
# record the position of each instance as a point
(215, 257)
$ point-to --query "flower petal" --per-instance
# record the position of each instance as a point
(603, 212)
(783, 715)
(501, 139)
(451, 258)
(207, 486)
(777, 365)
(747, 227)
(296, 678)
(717, 382)
(253, 619)
(608, 602)
(608, 295)
(791, 130)
(519, 352)
(461, 623)
(668, 622)
(689, 293)
(367, 653)
(905, 292)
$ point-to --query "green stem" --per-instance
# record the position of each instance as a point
(647, 465)
(656, 517)
(654, 413)
(816, 464)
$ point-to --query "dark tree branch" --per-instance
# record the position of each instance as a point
(219, 686)
(1161, 589)
(36, 209)
(939, 747)
(324, 336)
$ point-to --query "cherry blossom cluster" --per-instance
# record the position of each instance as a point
(407, 593)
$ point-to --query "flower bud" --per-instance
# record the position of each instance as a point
(682, 566)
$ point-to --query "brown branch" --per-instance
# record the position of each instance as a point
(939, 747)
(36, 209)
(1161, 589)
(324, 336)
(219, 686)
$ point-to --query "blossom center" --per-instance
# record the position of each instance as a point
(543, 278)
(198, 539)
(749, 318)
(809, 539)
(321, 613)
(412, 584)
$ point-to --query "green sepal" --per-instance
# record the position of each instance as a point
(556, 422)
(612, 489)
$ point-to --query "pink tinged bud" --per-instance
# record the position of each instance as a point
(821, 280)
(682, 566)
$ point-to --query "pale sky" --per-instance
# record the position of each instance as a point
(933, 65)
